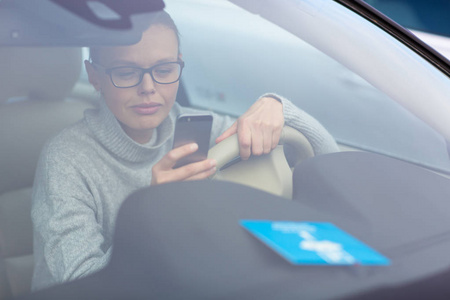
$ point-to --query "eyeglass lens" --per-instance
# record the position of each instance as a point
(130, 76)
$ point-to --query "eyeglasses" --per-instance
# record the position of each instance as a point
(127, 77)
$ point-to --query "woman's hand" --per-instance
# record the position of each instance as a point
(163, 171)
(259, 128)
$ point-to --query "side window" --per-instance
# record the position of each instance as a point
(85, 55)
(83, 89)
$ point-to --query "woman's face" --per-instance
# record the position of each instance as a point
(142, 108)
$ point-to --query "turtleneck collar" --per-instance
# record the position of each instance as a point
(107, 130)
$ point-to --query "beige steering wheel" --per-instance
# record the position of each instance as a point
(269, 172)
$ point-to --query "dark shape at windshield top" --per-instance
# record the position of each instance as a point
(78, 23)
(100, 13)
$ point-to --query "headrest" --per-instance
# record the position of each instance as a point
(37, 72)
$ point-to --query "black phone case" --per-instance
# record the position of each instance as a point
(193, 129)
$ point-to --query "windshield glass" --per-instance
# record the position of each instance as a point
(205, 90)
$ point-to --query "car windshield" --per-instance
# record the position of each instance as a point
(350, 120)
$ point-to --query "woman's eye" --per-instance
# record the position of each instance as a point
(125, 73)
(163, 71)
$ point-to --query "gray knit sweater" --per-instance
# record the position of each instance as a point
(85, 173)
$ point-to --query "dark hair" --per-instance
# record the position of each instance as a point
(160, 18)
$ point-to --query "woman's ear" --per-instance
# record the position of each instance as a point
(180, 56)
(92, 75)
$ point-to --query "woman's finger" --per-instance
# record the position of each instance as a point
(170, 159)
(202, 175)
(267, 139)
(245, 139)
(160, 175)
(227, 133)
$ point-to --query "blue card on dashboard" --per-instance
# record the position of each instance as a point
(313, 243)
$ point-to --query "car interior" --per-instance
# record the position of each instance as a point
(41, 94)
(34, 105)
(40, 105)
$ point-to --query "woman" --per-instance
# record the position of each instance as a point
(86, 171)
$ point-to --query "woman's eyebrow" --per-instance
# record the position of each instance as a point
(121, 62)
(163, 60)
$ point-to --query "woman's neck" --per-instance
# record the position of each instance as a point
(139, 136)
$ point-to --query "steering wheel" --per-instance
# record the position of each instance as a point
(269, 172)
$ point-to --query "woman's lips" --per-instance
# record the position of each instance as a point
(146, 109)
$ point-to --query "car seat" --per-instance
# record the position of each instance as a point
(34, 105)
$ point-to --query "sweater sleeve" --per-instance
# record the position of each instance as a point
(68, 239)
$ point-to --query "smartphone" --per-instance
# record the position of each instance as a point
(193, 129)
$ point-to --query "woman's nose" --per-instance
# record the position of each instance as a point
(147, 85)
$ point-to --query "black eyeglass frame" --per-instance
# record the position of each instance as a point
(109, 71)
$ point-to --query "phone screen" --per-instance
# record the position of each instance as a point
(193, 129)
